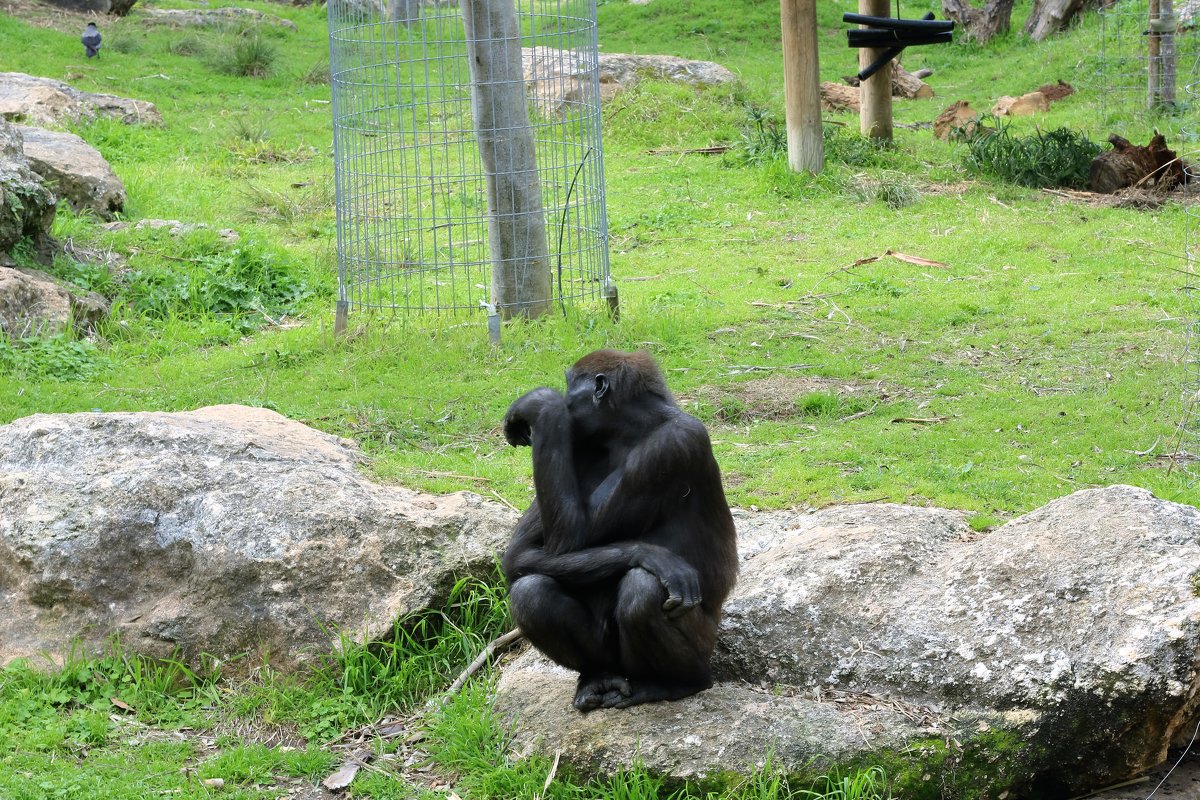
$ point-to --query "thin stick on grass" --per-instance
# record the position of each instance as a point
(499, 643)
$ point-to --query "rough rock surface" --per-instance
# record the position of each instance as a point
(27, 206)
(625, 69)
(224, 530)
(75, 169)
(34, 303)
(214, 17)
(31, 305)
(1058, 652)
(172, 226)
(45, 101)
(558, 78)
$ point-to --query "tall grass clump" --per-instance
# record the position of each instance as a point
(317, 74)
(362, 682)
(1057, 158)
(868, 784)
(250, 56)
(189, 44)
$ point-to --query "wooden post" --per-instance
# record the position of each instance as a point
(802, 85)
(875, 93)
(521, 275)
(1160, 54)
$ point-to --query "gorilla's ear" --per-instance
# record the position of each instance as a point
(601, 387)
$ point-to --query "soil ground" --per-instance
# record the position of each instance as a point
(1182, 784)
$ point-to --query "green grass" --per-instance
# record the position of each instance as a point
(1042, 356)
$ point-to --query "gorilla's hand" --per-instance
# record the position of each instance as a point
(525, 413)
(678, 577)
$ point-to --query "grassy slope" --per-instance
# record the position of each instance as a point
(718, 265)
(1049, 346)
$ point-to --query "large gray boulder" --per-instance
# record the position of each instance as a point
(225, 530)
(1060, 652)
(44, 101)
(225, 17)
(33, 303)
(27, 206)
(558, 79)
(75, 169)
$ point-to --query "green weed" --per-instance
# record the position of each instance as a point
(1057, 158)
(763, 140)
(244, 284)
(61, 357)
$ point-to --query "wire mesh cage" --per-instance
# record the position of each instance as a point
(1188, 448)
(412, 190)
(1148, 54)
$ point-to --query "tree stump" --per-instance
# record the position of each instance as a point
(958, 118)
(980, 24)
(1133, 165)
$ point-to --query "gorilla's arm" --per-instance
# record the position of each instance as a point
(540, 418)
(604, 563)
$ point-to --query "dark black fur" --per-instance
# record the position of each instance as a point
(619, 568)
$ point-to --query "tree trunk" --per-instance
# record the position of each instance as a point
(980, 24)
(1051, 16)
(521, 279)
(404, 11)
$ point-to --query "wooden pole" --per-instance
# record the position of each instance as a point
(1154, 66)
(1160, 53)
(802, 85)
(875, 93)
(521, 275)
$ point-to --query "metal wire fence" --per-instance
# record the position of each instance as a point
(412, 216)
(1148, 54)
(1188, 448)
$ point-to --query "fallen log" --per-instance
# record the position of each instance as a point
(837, 97)
(904, 84)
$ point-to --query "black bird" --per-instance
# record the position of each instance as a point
(91, 40)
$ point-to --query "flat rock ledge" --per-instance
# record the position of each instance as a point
(1054, 655)
(44, 101)
(227, 17)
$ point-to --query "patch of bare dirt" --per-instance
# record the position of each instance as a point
(779, 397)
(44, 15)
(1135, 198)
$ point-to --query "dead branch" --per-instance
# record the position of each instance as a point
(497, 644)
